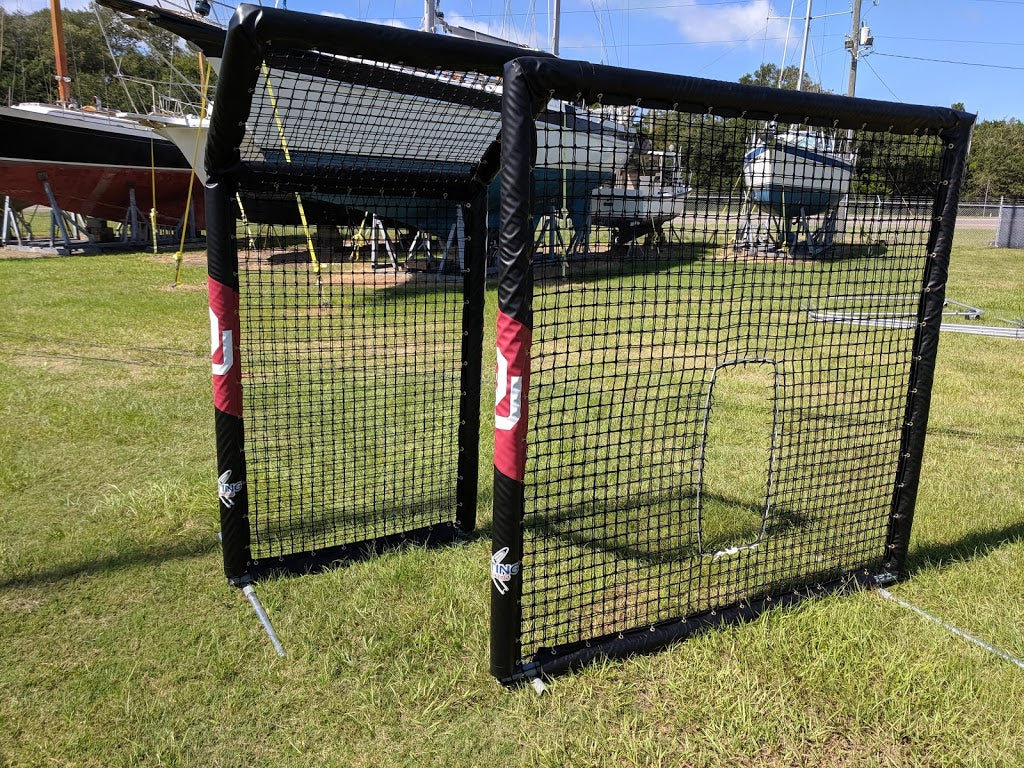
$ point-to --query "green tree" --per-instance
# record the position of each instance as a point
(126, 64)
(903, 169)
(27, 75)
(768, 75)
(709, 148)
(995, 167)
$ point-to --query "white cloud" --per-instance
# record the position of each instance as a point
(383, 22)
(532, 37)
(718, 23)
(588, 42)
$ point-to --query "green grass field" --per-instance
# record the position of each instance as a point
(123, 645)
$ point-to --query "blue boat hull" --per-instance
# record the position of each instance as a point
(553, 189)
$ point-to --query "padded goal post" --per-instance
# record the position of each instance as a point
(704, 405)
(348, 169)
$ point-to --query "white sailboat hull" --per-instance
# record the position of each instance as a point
(614, 206)
(793, 181)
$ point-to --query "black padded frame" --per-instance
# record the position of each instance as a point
(529, 83)
(256, 35)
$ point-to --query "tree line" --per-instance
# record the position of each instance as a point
(122, 63)
(995, 167)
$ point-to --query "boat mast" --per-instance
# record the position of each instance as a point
(429, 16)
(803, 50)
(63, 79)
(556, 13)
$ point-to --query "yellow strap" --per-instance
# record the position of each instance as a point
(288, 159)
(245, 222)
(152, 176)
(359, 238)
(204, 81)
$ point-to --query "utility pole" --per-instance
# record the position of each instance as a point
(851, 89)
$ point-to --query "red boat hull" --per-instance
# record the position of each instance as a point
(103, 191)
(92, 160)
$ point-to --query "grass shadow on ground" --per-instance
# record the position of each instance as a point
(145, 556)
(974, 545)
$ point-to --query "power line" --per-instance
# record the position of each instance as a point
(666, 5)
(946, 40)
(949, 61)
(884, 84)
(673, 43)
(726, 53)
(609, 9)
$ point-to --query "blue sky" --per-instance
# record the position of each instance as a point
(926, 51)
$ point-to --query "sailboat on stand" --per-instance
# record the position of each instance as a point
(576, 145)
(647, 194)
(88, 166)
(795, 179)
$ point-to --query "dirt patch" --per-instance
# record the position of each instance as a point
(977, 222)
(618, 611)
(88, 362)
(19, 605)
(188, 258)
(836, 252)
(28, 253)
(360, 274)
(185, 287)
(55, 363)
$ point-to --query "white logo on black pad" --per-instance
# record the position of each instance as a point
(227, 490)
(502, 572)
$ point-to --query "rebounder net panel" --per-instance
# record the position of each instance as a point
(349, 205)
(710, 399)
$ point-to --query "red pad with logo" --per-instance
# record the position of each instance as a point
(225, 355)
(510, 412)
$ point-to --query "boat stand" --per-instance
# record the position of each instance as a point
(379, 233)
(422, 255)
(549, 240)
(817, 241)
(579, 243)
(188, 223)
(135, 226)
(14, 223)
(456, 234)
(425, 261)
(71, 233)
(760, 231)
(628, 235)
(766, 232)
(65, 223)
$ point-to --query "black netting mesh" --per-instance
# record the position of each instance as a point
(351, 391)
(357, 127)
(354, 254)
(723, 328)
